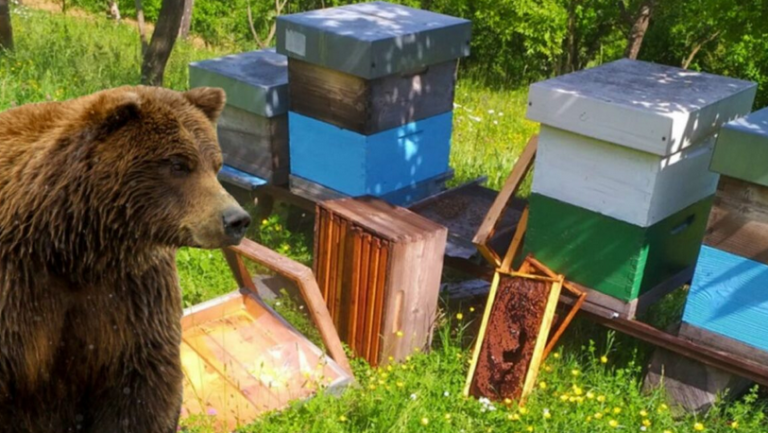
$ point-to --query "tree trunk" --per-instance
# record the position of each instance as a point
(639, 27)
(696, 47)
(186, 19)
(142, 29)
(6, 31)
(161, 45)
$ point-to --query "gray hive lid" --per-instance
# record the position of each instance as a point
(255, 81)
(645, 106)
(741, 150)
(372, 40)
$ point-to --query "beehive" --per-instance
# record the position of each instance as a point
(624, 154)
(253, 127)
(379, 268)
(727, 305)
(372, 86)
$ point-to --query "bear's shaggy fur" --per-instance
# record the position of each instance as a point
(96, 194)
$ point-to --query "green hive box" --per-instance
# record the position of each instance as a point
(611, 256)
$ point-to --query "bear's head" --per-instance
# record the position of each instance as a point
(155, 154)
(113, 176)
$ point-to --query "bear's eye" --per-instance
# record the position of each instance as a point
(179, 166)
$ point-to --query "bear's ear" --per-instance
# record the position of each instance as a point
(210, 100)
(111, 112)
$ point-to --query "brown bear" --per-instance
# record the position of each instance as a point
(96, 195)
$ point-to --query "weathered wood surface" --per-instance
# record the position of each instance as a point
(379, 267)
(356, 164)
(402, 197)
(649, 107)
(616, 258)
(633, 186)
(688, 383)
(728, 296)
(742, 149)
(738, 222)
(371, 40)
(723, 343)
(255, 144)
(371, 106)
(254, 81)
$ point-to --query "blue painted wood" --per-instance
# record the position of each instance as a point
(729, 296)
(357, 164)
(242, 179)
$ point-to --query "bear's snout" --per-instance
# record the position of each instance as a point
(236, 222)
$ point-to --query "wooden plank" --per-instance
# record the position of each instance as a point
(373, 280)
(405, 39)
(367, 264)
(641, 105)
(610, 256)
(742, 148)
(370, 106)
(728, 297)
(722, 343)
(341, 266)
(307, 284)
(333, 285)
(541, 338)
(738, 222)
(626, 184)
(355, 286)
(351, 163)
(517, 239)
(381, 298)
(239, 271)
(488, 227)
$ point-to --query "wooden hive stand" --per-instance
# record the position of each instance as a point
(241, 359)
(379, 268)
(727, 306)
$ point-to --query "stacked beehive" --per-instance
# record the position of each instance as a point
(727, 305)
(621, 187)
(253, 127)
(371, 89)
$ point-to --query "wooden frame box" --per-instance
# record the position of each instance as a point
(637, 187)
(610, 256)
(253, 127)
(743, 153)
(357, 165)
(371, 106)
(379, 267)
(372, 40)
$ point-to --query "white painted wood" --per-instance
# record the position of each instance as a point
(632, 186)
(645, 106)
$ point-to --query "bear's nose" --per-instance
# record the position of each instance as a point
(236, 222)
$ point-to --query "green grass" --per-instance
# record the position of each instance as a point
(62, 57)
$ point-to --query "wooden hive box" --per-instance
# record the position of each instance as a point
(356, 164)
(727, 306)
(253, 127)
(379, 267)
(241, 360)
(613, 257)
(632, 140)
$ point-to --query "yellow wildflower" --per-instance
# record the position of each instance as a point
(459, 316)
(547, 415)
(613, 423)
(548, 369)
(643, 413)
(400, 384)
(471, 309)
(598, 415)
(647, 422)
(698, 426)
(604, 359)
(601, 398)
(575, 372)
(513, 417)
(590, 395)
(564, 397)
(617, 410)
(343, 418)
(507, 401)
(399, 334)
(424, 421)
(577, 390)
(589, 418)
(556, 355)
(530, 428)
(543, 385)
(522, 411)
(735, 425)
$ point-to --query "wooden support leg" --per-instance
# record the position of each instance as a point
(689, 384)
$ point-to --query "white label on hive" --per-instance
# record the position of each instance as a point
(296, 42)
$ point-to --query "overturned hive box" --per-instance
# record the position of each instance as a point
(241, 360)
(253, 128)
(727, 305)
(379, 268)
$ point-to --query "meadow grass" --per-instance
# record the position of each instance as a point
(60, 57)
